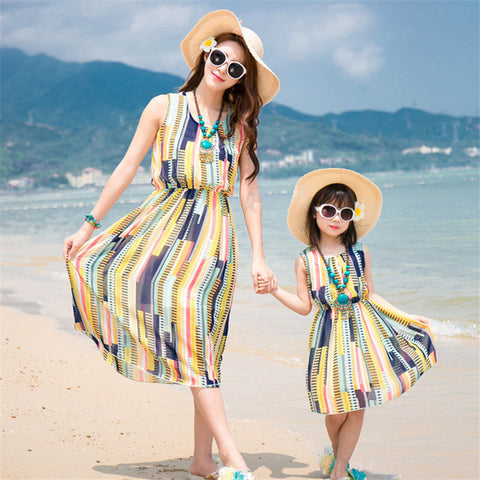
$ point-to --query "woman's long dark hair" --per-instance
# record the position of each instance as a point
(243, 98)
(339, 195)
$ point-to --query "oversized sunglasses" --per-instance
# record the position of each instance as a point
(330, 211)
(235, 70)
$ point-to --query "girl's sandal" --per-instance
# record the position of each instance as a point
(356, 474)
(326, 461)
(353, 473)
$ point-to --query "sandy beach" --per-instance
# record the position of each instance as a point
(68, 415)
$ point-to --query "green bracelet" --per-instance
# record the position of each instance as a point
(89, 218)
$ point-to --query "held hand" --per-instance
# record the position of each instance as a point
(261, 272)
(266, 286)
(75, 241)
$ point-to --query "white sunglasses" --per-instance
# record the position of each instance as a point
(328, 211)
(235, 70)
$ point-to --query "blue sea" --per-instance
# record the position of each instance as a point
(424, 249)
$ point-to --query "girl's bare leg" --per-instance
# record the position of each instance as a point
(334, 424)
(344, 432)
(209, 403)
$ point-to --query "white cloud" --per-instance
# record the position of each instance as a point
(340, 33)
(147, 33)
(360, 63)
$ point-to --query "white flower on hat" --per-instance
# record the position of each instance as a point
(208, 44)
(359, 211)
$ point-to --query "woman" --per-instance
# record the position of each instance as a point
(154, 291)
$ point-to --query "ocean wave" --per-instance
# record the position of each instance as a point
(448, 328)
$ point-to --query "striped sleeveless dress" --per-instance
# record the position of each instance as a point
(366, 355)
(154, 290)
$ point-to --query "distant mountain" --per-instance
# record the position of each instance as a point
(41, 89)
(408, 123)
(59, 117)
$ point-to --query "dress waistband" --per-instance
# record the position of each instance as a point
(192, 191)
(352, 300)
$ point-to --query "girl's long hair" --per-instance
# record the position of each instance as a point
(339, 195)
(243, 98)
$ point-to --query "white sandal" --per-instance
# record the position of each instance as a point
(230, 473)
(325, 460)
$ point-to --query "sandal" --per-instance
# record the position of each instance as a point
(356, 474)
(326, 461)
(212, 476)
(353, 473)
(230, 473)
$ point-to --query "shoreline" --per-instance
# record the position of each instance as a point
(139, 186)
(67, 415)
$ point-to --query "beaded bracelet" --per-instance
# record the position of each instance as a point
(89, 218)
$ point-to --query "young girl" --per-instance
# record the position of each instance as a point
(154, 290)
(363, 350)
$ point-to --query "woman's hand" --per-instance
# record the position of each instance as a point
(75, 241)
(264, 280)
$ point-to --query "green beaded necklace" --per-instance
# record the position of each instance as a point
(206, 153)
(342, 301)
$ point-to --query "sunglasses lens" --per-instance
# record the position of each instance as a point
(346, 214)
(217, 57)
(328, 211)
(235, 70)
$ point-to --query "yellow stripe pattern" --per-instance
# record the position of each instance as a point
(154, 290)
(366, 355)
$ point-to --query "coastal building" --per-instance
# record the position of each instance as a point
(424, 150)
(19, 183)
(93, 177)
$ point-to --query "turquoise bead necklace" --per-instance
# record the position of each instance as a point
(342, 301)
(206, 151)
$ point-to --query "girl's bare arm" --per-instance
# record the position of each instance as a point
(299, 302)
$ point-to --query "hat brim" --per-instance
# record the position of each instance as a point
(366, 191)
(224, 21)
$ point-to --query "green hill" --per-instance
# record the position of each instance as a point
(41, 89)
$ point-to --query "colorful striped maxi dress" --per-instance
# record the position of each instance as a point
(154, 290)
(365, 355)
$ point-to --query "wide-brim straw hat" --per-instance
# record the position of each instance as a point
(366, 191)
(224, 21)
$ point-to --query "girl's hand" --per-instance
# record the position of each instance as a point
(423, 320)
(261, 271)
(75, 241)
(264, 285)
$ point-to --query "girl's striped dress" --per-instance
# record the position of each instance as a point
(365, 355)
(154, 290)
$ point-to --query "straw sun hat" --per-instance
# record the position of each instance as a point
(224, 21)
(366, 191)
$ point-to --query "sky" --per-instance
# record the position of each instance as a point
(330, 56)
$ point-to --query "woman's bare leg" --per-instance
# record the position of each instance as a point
(203, 463)
(209, 403)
